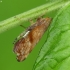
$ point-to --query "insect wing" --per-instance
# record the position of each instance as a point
(26, 44)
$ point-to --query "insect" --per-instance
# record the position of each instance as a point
(28, 39)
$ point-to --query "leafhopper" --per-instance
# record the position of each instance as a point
(27, 41)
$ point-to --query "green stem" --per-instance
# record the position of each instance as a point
(31, 14)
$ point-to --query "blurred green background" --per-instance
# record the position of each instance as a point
(9, 8)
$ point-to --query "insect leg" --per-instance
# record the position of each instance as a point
(20, 36)
(31, 22)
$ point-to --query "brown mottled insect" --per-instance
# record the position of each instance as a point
(26, 42)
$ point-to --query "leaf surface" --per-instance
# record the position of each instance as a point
(55, 54)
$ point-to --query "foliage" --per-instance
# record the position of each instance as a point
(55, 53)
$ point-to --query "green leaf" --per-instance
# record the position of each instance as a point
(55, 54)
(31, 14)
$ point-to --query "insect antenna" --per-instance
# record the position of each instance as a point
(23, 26)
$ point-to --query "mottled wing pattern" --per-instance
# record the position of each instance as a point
(34, 33)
